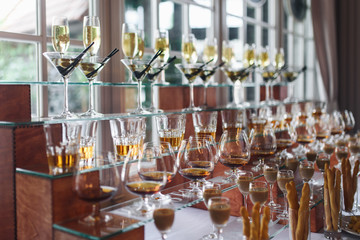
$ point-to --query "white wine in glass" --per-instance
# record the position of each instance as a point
(129, 43)
(279, 59)
(188, 49)
(162, 43)
(263, 58)
(249, 55)
(141, 45)
(91, 33)
(228, 54)
(210, 51)
(60, 35)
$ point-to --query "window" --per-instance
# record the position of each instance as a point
(25, 30)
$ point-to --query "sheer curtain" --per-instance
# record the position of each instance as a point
(324, 24)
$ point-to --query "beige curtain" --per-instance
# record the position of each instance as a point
(324, 24)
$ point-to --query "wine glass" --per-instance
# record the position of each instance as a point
(196, 162)
(269, 74)
(305, 133)
(141, 44)
(283, 177)
(237, 72)
(139, 69)
(259, 192)
(306, 171)
(168, 155)
(262, 142)
(243, 182)
(349, 120)
(205, 75)
(219, 209)
(60, 36)
(285, 137)
(263, 60)
(234, 152)
(144, 173)
(91, 67)
(171, 128)
(210, 51)
(279, 59)
(270, 173)
(188, 49)
(290, 75)
(91, 33)
(190, 72)
(129, 44)
(164, 216)
(65, 64)
(228, 55)
(96, 183)
(249, 59)
(162, 43)
(209, 191)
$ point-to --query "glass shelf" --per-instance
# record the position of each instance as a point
(132, 84)
(121, 212)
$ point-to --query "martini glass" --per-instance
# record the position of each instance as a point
(235, 72)
(139, 70)
(290, 75)
(65, 63)
(91, 67)
(269, 74)
(190, 71)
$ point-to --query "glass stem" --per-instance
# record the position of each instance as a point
(234, 93)
(205, 98)
(291, 90)
(66, 101)
(163, 236)
(91, 95)
(96, 211)
(245, 203)
(219, 231)
(152, 96)
(311, 190)
(272, 91)
(271, 192)
(139, 95)
(285, 202)
(191, 95)
(267, 92)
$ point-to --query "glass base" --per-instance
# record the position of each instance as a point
(284, 215)
(291, 100)
(92, 220)
(270, 102)
(66, 115)
(209, 236)
(273, 206)
(159, 197)
(140, 111)
(154, 110)
(191, 109)
(143, 210)
(91, 113)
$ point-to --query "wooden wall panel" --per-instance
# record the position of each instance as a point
(33, 209)
(15, 103)
(7, 186)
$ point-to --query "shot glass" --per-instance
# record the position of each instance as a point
(171, 128)
(127, 133)
(62, 146)
(205, 123)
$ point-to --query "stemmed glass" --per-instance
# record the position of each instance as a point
(262, 142)
(96, 183)
(269, 74)
(228, 55)
(188, 49)
(305, 134)
(141, 44)
(279, 59)
(290, 75)
(190, 72)
(249, 55)
(168, 155)
(283, 177)
(164, 216)
(196, 162)
(349, 120)
(307, 170)
(162, 43)
(91, 33)
(337, 124)
(91, 67)
(209, 191)
(243, 183)
(259, 192)
(210, 51)
(234, 152)
(270, 174)
(129, 43)
(236, 71)
(60, 35)
(139, 69)
(144, 173)
(205, 75)
(65, 64)
(219, 208)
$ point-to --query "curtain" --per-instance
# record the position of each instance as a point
(324, 24)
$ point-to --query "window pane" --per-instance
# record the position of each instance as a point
(18, 61)
(298, 51)
(310, 54)
(66, 8)
(234, 7)
(265, 37)
(265, 12)
(250, 33)
(206, 3)
(139, 12)
(18, 16)
(250, 12)
(200, 21)
(236, 35)
(170, 18)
